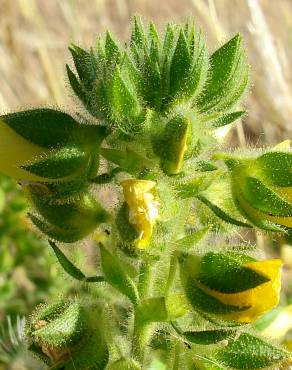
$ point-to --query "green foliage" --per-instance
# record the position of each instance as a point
(250, 352)
(155, 104)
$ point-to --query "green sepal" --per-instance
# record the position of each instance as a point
(250, 352)
(228, 78)
(94, 354)
(63, 163)
(191, 188)
(207, 337)
(227, 118)
(83, 214)
(205, 166)
(47, 128)
(126, 229)
(124, 364)
(58, 233)
(117, 276)
(219, 212)
(138, 36)
(276, 168)
(124, 101)
(200, 301)
(224, 273)
(180, 65)
(70, 268)
(85, 65)
(66, 330)
(112, 51)
(260, 197)
(76, 86)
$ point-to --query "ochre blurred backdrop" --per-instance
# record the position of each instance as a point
(34, 35)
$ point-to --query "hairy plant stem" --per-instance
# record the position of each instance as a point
(171, 273)
(142, 331)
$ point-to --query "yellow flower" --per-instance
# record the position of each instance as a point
(231, 286)
(16, 151)
(260, 299)
(262, 186)
(140, 195)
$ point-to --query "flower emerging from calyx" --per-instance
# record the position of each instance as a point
(141, 198)
(45, 145)
(232, 287)
(262, 187)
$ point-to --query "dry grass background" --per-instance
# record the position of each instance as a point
(34, 35)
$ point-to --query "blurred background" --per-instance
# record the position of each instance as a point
(34, 36)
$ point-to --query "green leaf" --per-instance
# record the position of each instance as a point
(221, 213)
(227, 118)
(117, 276)
(250, 352)
(71, 269)
(276, 168)
(67, 265)
(47, 128)
(189, 241)
(152, 310)
(224, 273)
(63, 163)
(228, 77)
(208, 336)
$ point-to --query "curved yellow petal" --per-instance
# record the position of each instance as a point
(283, 145)
(255, 214)
(259, 299)
(140, 196)
(16, 151)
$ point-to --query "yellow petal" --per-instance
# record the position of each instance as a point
(283, 145)
(260, 299)
(16, 151)
(254, 213)
(281, 325)
(140, 196)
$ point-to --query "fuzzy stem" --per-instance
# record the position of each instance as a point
(176, 357)
(171, 273)
(145, 277)
(141, 332)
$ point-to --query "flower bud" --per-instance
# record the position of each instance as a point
(231, 287)
(67, 332)
(66, 222)
(44, 145)
(261, 188)
(140, 196)
(171, 144)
